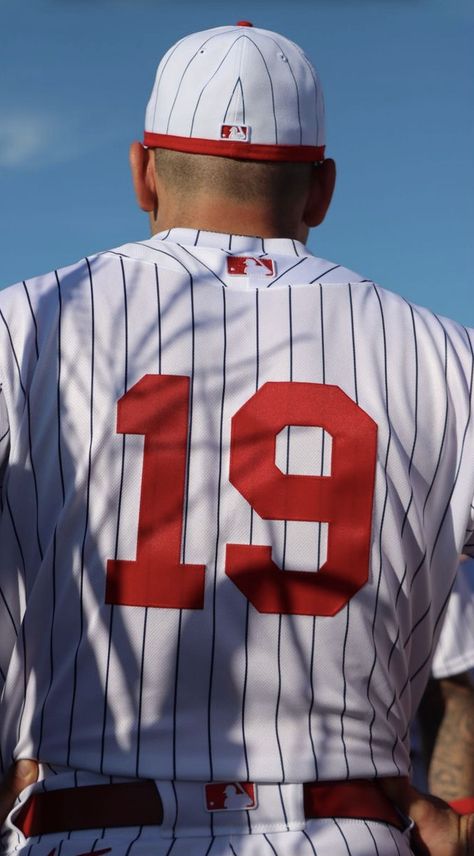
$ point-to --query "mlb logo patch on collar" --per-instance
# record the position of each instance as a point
(230, 796)
(250, 266)
(240, 133)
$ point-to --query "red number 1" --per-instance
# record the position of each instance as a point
(157, 406)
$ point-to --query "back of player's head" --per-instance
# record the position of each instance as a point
(235, 118)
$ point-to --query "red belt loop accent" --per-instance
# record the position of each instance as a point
(138, 803)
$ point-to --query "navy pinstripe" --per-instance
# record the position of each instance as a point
(238, 84)
(163, 68)
(342, 836)
(119, 510)
(63, 497)
(185, 513)
(415, 434)
(32, 317)
(379, 578)
(86, 523)
(446, 413)
(218, 514)
(298, 107)
(247, 608)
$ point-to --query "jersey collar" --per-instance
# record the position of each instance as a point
(233, 244)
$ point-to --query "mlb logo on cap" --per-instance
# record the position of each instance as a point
(235, 132)
(230, 796)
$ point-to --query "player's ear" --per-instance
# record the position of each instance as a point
(320, 195)
(143, 175)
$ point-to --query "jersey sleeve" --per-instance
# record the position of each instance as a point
(455, 650)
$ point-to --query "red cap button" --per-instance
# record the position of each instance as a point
(244, 24)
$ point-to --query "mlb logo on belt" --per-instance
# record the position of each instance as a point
(230, 796)
(250, 266)
(236, 132)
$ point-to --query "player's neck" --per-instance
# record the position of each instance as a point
(237, 219)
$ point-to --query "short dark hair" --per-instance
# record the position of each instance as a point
(239, 180)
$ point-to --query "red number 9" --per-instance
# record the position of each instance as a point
(344, 499)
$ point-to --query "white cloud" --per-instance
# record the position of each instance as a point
(22, 138)
(32, 139)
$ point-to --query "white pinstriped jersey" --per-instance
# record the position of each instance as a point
(455, 649)
(129, 640)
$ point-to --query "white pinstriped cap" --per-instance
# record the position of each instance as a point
(237, 92)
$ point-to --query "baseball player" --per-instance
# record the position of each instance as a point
(234, 495)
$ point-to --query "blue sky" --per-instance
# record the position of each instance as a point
(398, 77)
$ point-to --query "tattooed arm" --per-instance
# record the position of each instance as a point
(447, 718)
(439, 831)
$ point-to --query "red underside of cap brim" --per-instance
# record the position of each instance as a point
(234, 149)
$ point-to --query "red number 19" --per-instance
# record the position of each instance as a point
(158, 407)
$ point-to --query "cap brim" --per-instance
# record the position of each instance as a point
(235, 149)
